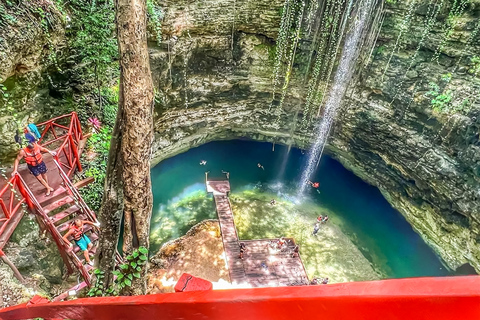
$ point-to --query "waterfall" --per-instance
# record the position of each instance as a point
(341, 80)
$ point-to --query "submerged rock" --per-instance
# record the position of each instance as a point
(199, 253)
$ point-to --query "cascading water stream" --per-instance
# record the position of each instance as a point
(341, 80)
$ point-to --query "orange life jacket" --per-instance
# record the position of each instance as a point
(33, 157)
(77, 232)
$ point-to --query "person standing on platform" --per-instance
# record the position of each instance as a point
(32, 154)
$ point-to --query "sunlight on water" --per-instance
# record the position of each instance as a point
(357, 210)
(341, 81)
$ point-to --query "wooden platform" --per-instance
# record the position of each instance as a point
(263, 265)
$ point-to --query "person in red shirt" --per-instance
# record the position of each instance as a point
(32, 154)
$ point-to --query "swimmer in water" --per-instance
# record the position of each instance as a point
(203, 162)
(260, 166)
(313, 184)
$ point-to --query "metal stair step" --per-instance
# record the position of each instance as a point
(57, 204)
(65, 213)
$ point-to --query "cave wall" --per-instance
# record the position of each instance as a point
(425, 162)
(29, 37)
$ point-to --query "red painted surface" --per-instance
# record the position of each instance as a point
(405, 299)
(37, 300)
(187, 282)
(64, 135)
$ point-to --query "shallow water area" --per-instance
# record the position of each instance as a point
(365, 238)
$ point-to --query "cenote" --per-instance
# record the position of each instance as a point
(379, 234)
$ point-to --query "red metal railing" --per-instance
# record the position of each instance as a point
(73, 192)
(12, 196)
(57, 237)
(443, 298)
(64, 134)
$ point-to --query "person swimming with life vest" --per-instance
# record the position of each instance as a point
(32, 154)
(314, 184)
(80, 238)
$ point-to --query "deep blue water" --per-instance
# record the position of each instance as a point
(380, 232)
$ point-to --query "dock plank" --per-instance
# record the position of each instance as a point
(261, 265)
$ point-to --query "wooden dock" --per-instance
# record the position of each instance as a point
(263, 264)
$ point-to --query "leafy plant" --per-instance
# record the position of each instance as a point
(99, 146)
(124, 275)
(132, 268)
(475, 65)
(155, 16)
(447, 77)
(442, 101)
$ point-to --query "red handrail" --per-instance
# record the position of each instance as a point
(57, 237)
(75, 194)
(69, 139)
(69, 136)
(444, 298)
(11, 206)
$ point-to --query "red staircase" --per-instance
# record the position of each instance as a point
(55, 212)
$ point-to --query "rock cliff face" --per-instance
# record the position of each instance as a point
(409, 124)
(423, 155)
(30, 35)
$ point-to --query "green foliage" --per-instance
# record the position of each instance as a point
(474, 65)
(124, 275)
(93, 35)
(441, 102)
(391, 1)
(99, 146)
(5, 98)
(109, 112)
(155, 16)
(447, 77)
(379, 50)
(94, 52)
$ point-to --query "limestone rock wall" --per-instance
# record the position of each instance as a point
(425, 161)
(29, 37)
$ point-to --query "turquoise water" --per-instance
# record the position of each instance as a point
(379, 231)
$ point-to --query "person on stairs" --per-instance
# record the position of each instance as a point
(32, 154)
(80, 238)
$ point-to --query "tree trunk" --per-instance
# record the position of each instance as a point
(128, 184)
(111, 212)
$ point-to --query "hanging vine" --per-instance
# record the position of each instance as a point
(455, 11)
(311, 14)
(432, 12)
(404, 26)
(314, 78)
(294, 38)
(334, 48)
(282, 44)
(331, 32)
